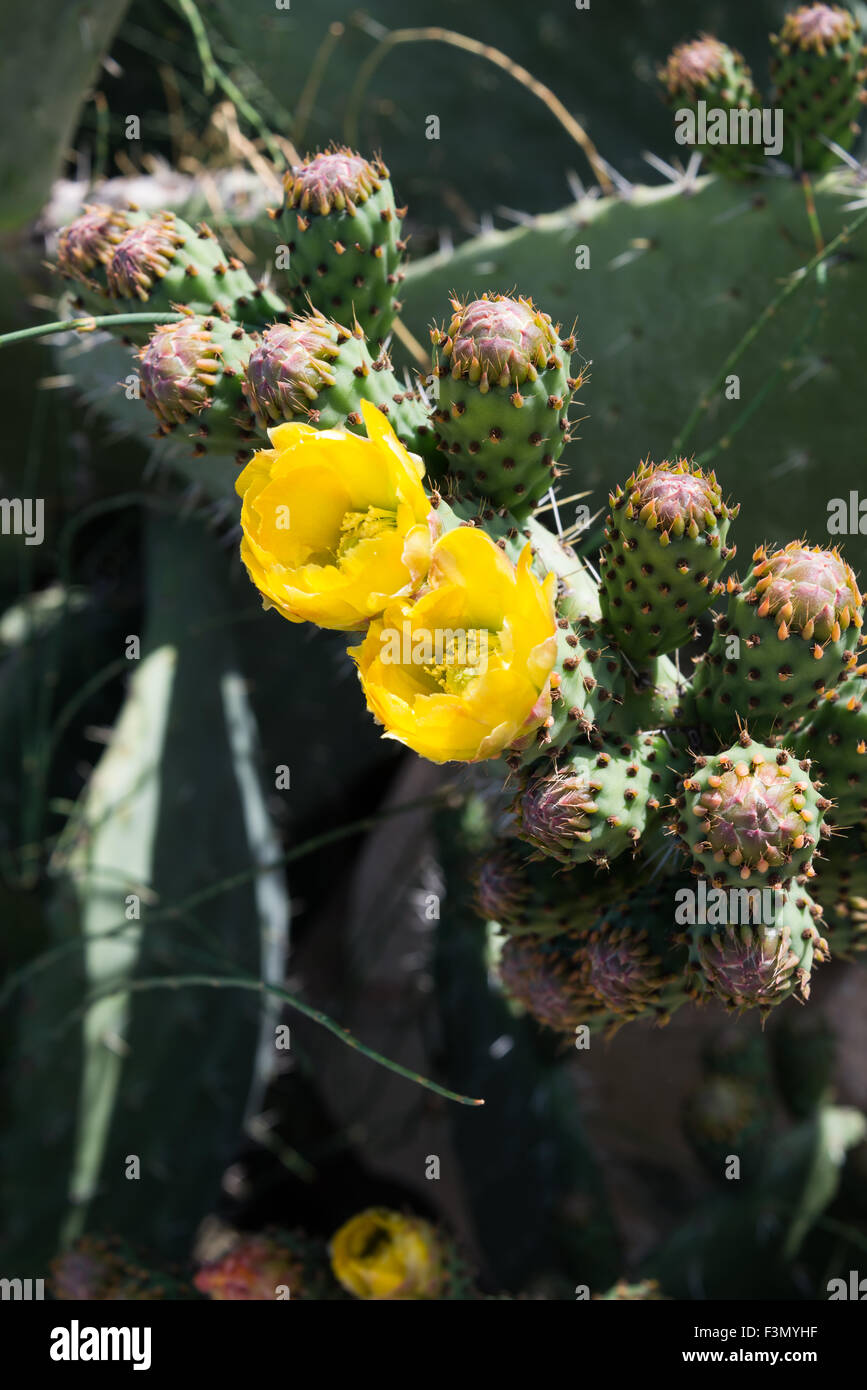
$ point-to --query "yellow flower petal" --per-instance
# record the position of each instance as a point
(463, 671)
(335, 526)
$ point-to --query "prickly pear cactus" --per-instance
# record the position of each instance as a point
(123, 261)
(106, 1269)
(344, 239)
(272, 1264)
(710, 72)
(651, 837)
(191, 378)
(316, 370)
(756, 964)
(665, 550)
(836, 739)
(751, 814)
(531, 895)
(819, 68)
(505, 385)
(787, 637)
(598, 802)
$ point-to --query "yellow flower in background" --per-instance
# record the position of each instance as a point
(335, 527)
(380, 1254)
(463, 671)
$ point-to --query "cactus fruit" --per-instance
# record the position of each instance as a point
(708, 71)
(345, 247)
(105, 1269)
(750, 814)
(270, 1265)
(504, 391)
(632, 959)
(315, 370)
(665, 550)
(725, 1117)
(836, 739)
(87, 244)
(124, 261)
(598, 801)
(528, 896)
(758, 964)
(546, 976)
(192, 375)
(787, 637)
(629, 965)
(819, 68)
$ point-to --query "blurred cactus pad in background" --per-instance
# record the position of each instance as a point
(432, 661)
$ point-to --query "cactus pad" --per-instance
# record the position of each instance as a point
(504, 394)
(709, 71)
(345, 248)
(819, 67)
(788, 636)
(665, 550)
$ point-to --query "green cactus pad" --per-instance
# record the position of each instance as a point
(588, 684)
(819, 67)
(504, 391)
(665, 550)
(192, 377)
(750, 814)
(788, 636)
(596, 802)
(836, 740)
(758, 964)
(126, 261)
(840, 886)
(709, 71)
(345, 247)
(655, 696)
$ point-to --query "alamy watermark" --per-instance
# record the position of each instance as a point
(716, 125)
(466, 648)
(719, 907)
(23, 516)
(24, 1290)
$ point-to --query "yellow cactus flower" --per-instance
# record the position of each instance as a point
(464, 670)
(380, 1254)
(335, 527)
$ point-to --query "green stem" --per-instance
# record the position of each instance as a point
(750, 409)
(261, 987)
(794, 283)
(54, 953)
(86, 323)
(213, 76)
